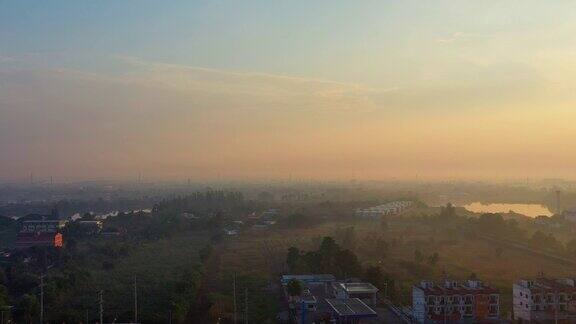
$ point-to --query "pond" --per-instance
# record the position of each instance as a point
(530, 210)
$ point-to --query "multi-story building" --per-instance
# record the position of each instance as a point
(544, 299)
(453, 302)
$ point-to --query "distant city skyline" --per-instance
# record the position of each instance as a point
(328, 90)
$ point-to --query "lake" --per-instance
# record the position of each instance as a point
(530, 210)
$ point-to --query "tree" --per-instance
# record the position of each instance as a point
(4, 300)
(383, 223)
(347, 237)
(292, 258)
(433, 259)
(294, 288)
(418, 256)
(374, 275)
(205, 252)
(348, 264)
(29, 306)
(107, 265)
(328, 246)
(571, 246)
(499, 251)
(448, 212)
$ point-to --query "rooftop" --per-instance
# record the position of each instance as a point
(357, 287)
(309, 277)
(563, 284)
(470, 287)
(351, 307)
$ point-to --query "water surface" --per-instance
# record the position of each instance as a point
(530, 210)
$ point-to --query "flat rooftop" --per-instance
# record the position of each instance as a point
(358, 287)
(351, 307)
(309, 278)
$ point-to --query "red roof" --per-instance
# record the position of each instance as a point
(24, 240)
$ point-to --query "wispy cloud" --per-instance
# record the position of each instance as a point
(460, 37)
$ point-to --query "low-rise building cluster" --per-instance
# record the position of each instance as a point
(325, 298)
(391, 208)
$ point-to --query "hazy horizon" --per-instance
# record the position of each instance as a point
(258, 90)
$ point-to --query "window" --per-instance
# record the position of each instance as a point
(493, 299)
(493, 310)
(468, 300)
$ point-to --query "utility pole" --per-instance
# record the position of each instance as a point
(246, 305)
(135, 301)
(42, 299)
(556, 296)
(234, 292)
(100, 297)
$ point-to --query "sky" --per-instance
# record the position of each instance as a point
(327, 90)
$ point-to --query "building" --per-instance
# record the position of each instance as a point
(453, 302)
(309, 279)
(545, 299)
(40, 232)
(42, 226)
(392, 208)
(350, 310)
(570, 215)
(91, 227)
(26, 240)
(361, 290)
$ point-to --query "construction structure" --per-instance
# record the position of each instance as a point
(453, 302)
(545, 300)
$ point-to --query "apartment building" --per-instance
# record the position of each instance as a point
(453, 301)
(545, 299)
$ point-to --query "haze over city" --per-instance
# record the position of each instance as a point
(264, 90)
